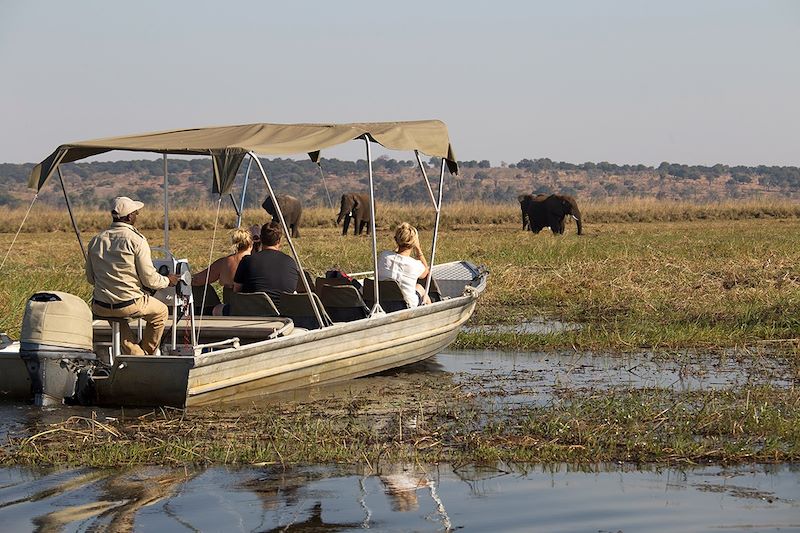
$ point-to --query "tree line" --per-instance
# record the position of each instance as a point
(398, 180)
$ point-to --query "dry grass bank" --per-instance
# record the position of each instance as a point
(44, 218)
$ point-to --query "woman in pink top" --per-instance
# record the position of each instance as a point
(406, 264)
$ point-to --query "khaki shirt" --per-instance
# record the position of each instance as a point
(118, 264)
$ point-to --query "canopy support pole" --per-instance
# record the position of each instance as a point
(377, 309)
(327, 193)
(235, 207)
(286, 231)
(437, 205)
(244, 191)
(435, 228)
(425, 175)
(166, 205)
(71, 214)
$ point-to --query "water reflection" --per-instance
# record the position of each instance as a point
(402, 498)
(537, 378)
(107, 499)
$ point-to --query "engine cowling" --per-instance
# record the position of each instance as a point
(56, 344)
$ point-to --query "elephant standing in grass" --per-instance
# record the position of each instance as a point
(525, 201)
(357, 207)
(542, 211)
(291, 209)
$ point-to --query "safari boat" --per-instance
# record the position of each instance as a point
(66, 355)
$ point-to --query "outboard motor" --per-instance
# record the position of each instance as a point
(56, 344)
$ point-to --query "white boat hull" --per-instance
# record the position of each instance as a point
(296, 360)
(343, 351)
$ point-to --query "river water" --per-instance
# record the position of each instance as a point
(429, 498)
(608, 497)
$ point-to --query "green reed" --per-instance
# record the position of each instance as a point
(705, 283)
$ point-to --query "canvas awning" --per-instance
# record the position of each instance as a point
(228, 145)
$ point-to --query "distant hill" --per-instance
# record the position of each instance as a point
(92, 184)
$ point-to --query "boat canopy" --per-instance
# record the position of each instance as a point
(228, 145)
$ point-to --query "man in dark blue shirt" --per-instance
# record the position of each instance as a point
(269, 270)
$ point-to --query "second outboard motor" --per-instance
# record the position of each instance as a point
(56, 344)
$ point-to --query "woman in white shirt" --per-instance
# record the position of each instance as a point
(406, 264)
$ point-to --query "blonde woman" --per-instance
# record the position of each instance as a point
(223, 269)
(406, 264)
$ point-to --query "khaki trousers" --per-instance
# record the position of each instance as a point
(152, 311)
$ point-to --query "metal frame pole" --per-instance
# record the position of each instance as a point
(376, 293)
(235, 207)
(166, 205)
(435, 228)
(437, 205)
(286, 231)
(327, 193)
(71, 215)
(425, 175)
(244, 192)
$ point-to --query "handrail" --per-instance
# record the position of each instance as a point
(233, 342)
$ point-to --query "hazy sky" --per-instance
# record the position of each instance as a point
(697, 82)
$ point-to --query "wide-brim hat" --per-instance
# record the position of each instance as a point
(124, 206)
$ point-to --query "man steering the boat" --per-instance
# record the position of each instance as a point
(119, 265)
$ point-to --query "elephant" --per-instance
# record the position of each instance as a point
(291, 209)
(548, 211)
(355, 206)
(525, 200)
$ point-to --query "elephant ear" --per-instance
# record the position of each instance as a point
(355, 201)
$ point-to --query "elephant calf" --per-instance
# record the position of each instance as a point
(357, 207)
(291, 209)
(542, 211)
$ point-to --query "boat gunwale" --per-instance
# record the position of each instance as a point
(339, 328)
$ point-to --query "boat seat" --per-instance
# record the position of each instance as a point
(343, 302)
(390, 294)
(298, 307)
(116, 338)
(226, 294)
(309, 278)
(252, 304)
(434, 292)
(212, 299)
(319, 282)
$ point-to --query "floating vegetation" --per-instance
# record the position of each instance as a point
(438, 416)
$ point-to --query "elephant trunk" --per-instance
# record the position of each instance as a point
(572, 209)
(579, 222)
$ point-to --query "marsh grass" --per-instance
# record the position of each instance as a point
(698, 280)
(751, 424)
(661, 285)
